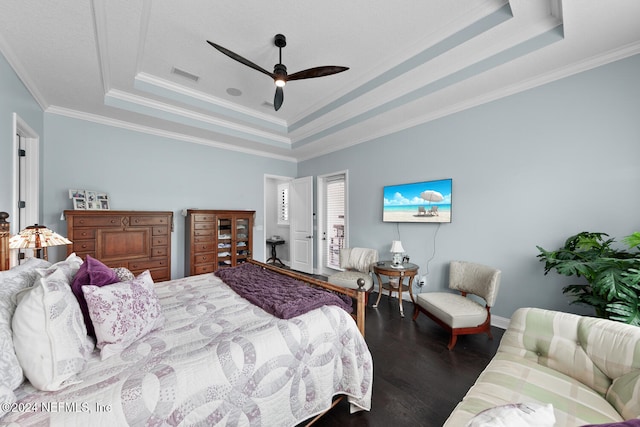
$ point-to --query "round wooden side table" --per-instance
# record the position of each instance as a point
(386, 268)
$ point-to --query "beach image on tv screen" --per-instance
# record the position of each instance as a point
(427, 201)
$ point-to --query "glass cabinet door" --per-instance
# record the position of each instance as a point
(225, 242)
(242, 247)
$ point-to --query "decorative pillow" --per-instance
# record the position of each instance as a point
(123, 312)
(92, 272)
(515, 415)
(49, 336)
(69, 267)
(123, 274)
(11, 282)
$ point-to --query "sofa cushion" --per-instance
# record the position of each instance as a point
(552, 339)
(511, 378)
(593, 351)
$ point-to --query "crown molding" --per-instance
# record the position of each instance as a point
(107, 121)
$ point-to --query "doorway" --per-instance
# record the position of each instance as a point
(333, 221)
(26, 180)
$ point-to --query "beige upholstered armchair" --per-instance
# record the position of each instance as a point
(456, 312)
(357, 264)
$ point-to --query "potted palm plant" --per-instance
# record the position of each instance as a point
(612, 275)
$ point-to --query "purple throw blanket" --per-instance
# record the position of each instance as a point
(281, 296)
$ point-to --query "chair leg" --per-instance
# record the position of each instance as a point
(452, 341)
(416, 311)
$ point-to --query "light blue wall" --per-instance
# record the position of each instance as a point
(527, 170)
(14, 98)
(145, 172)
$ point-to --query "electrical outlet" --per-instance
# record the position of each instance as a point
(422, 281)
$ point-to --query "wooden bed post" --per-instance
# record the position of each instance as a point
(361, 306)
(4, 242)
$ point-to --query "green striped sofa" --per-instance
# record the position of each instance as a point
(587, 368)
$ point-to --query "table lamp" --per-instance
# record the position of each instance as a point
(38, 238)
(397, 250)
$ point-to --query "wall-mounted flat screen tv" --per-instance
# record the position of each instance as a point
(426, 201)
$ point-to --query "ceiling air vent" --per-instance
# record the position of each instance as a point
(185, 74)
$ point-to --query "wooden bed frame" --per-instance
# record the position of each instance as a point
(5, 259)
(359, 294)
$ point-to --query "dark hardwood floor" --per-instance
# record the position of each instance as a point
(417, 381)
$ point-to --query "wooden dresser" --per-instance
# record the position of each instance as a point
(217, 239)
(137, 240)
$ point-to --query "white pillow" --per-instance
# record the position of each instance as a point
(69, 267)
(123, 312)
(11, 282)
(49, 334)
(515, 415)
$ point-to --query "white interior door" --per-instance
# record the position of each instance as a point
(26, 187)
(301, 224)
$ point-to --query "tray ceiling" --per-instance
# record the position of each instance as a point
(145, 65)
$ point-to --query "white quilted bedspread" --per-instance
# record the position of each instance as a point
(219, 360)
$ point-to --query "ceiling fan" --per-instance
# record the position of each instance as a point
(279, 75)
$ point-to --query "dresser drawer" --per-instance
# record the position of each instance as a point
(203, 226)
(207, 238)
(159, 251)
(147, 265)
(203, 247)
(157, 274)
(203, 258)
(208, 233)
(84, 246)
(83, 234)
(160, 274)
(204, 268)
(149, 220)
(203, 217)
(98, 221)
(160, 241)
(161, 231)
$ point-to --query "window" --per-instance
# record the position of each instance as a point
(283, 204)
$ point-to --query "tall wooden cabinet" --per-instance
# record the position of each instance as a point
(216, 239)
(137, 240)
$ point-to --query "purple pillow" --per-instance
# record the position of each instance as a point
(91, 272)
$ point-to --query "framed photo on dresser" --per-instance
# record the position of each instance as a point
(89, 200)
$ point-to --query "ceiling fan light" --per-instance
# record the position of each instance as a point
(280, 82)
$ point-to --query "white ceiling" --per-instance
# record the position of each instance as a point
(411, 61)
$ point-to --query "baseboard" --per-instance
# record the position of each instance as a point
(499, 321)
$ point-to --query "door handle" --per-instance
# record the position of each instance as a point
(309, 237)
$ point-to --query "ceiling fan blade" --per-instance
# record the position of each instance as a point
(316, 72)
(240, 59)
(278, 98)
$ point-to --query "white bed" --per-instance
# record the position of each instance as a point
(218, 360)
